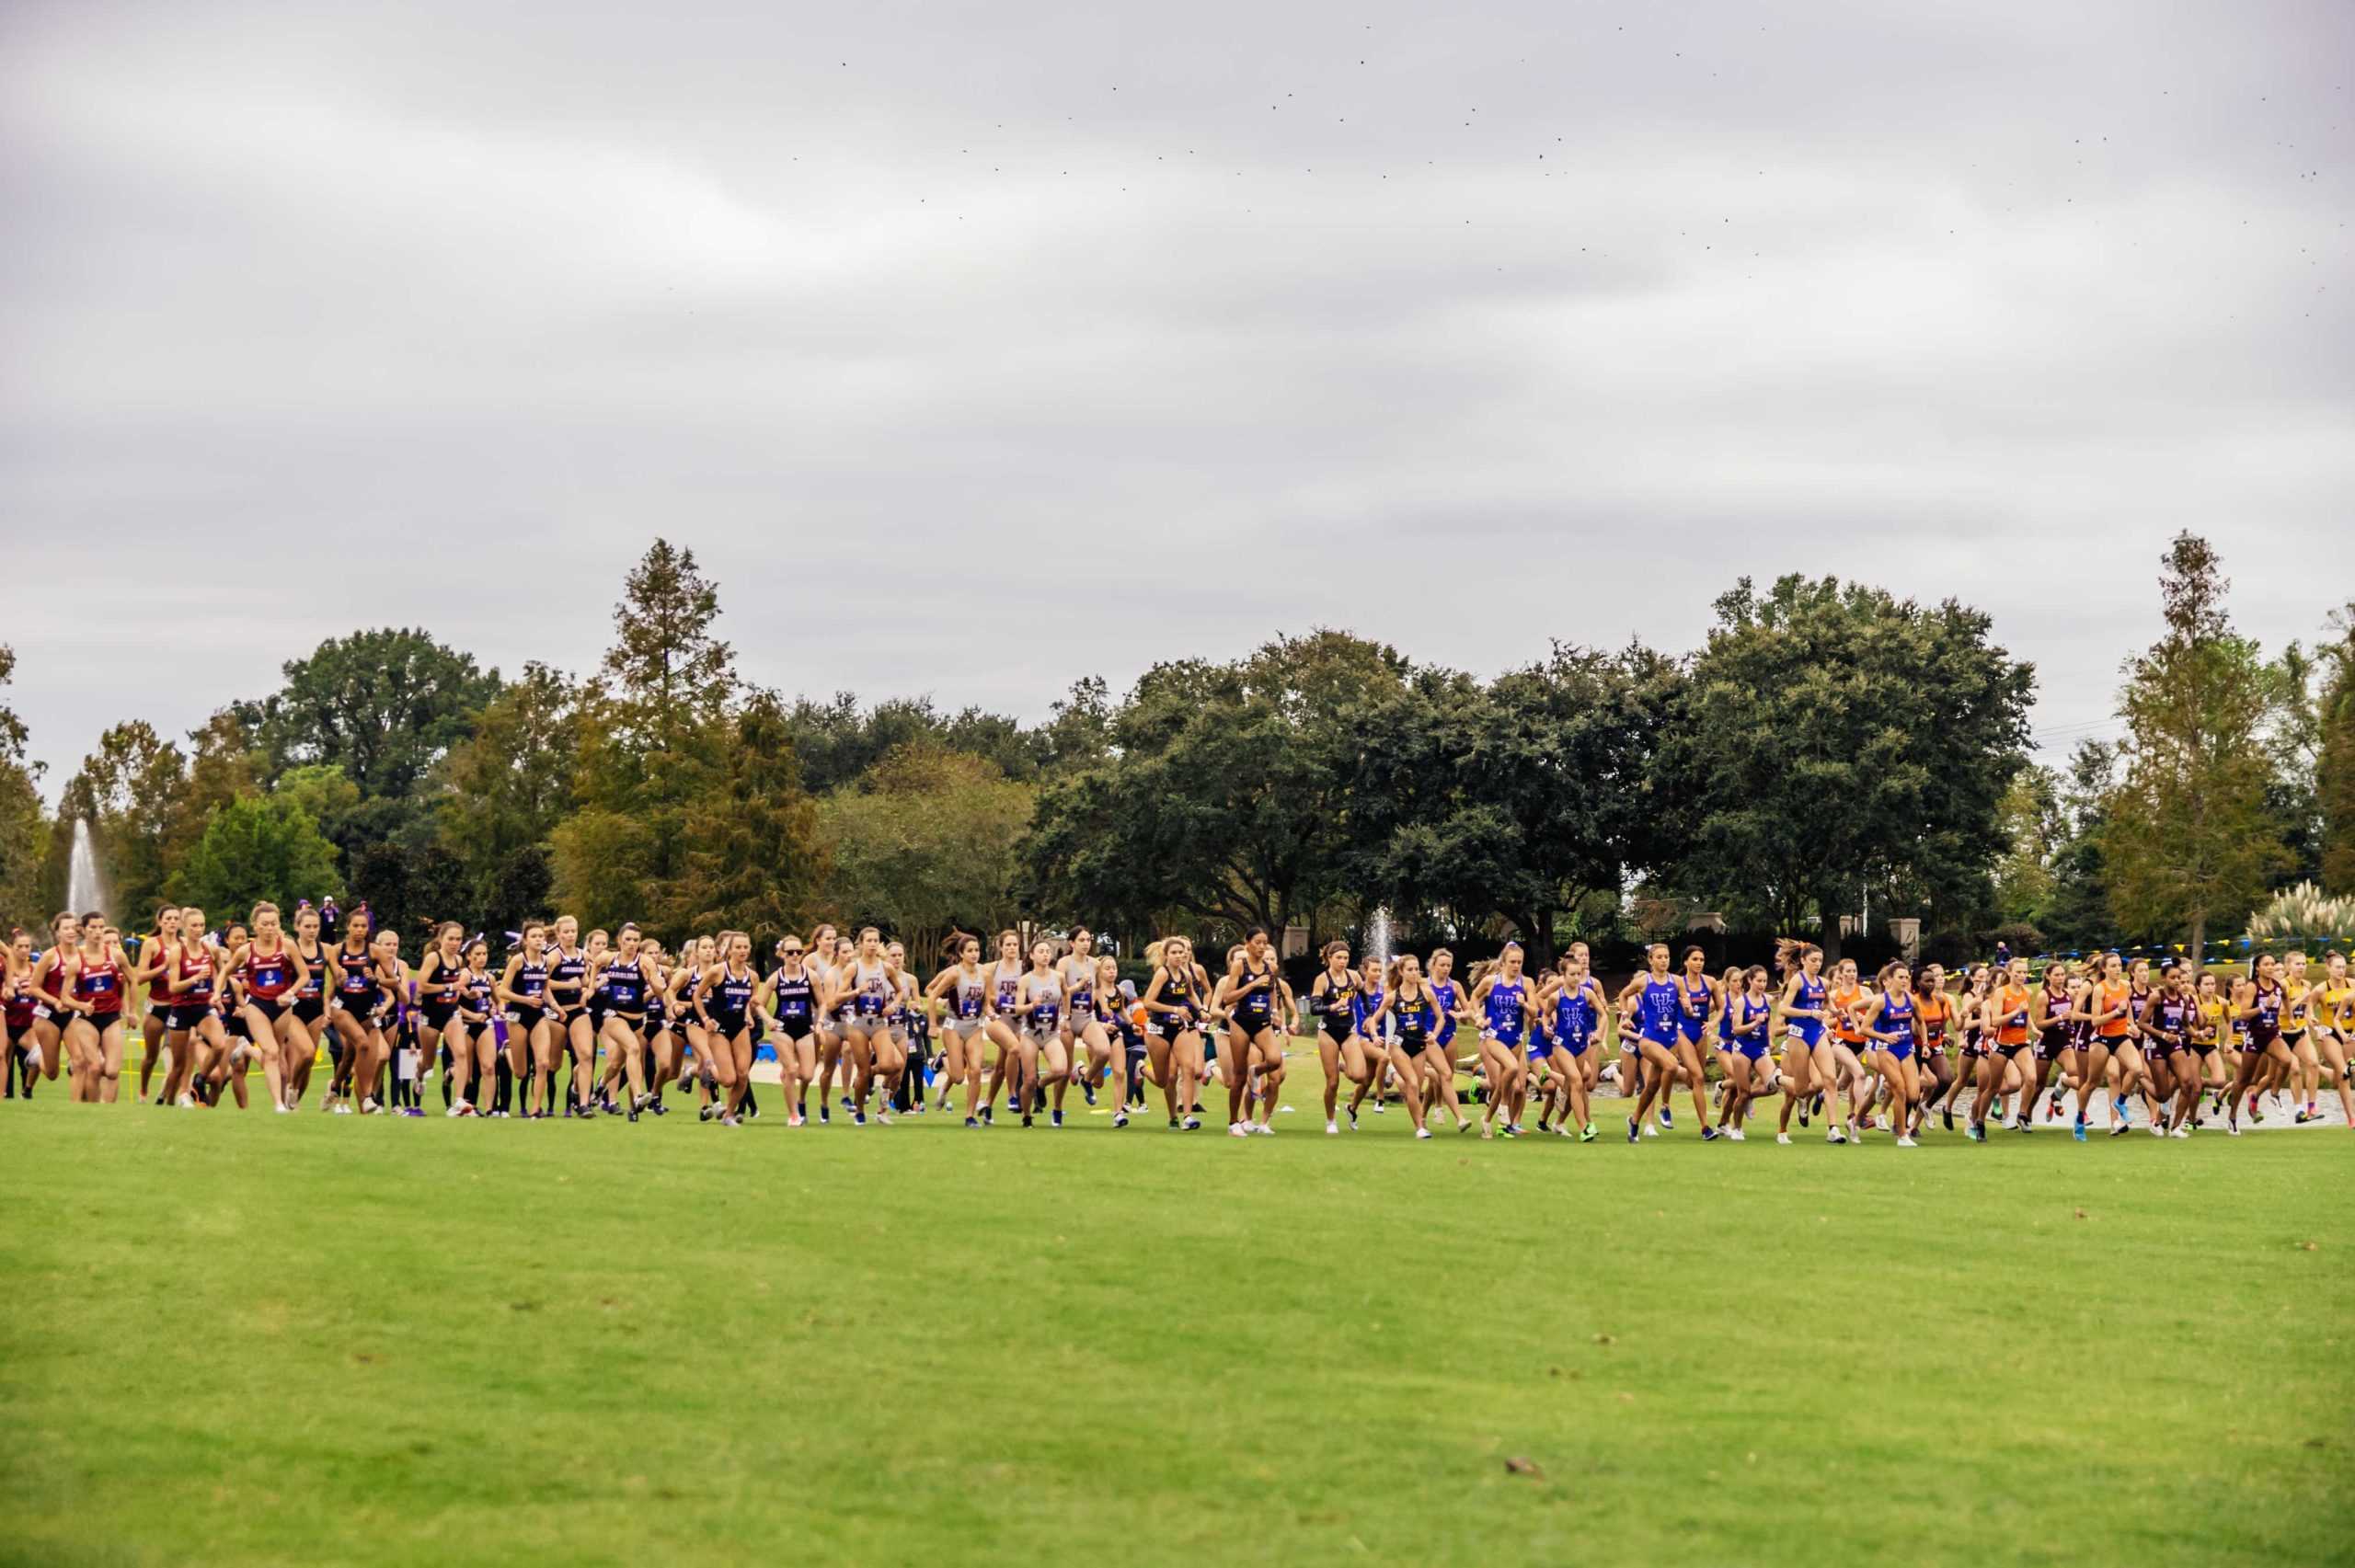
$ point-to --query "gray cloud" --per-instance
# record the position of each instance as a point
(978, 352)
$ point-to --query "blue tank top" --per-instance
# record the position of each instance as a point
(1657, 1009)
(1363, 1005)
(1574, 1016)
(1812, 992)
(1693, 1008)
(1745, 1024)
(1897, 1018)
(1504, 1012)
(1443, 993)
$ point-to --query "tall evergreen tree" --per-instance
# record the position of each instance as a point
(2335, 753)
(2189, 840)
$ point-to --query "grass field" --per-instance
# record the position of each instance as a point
(321, 1339)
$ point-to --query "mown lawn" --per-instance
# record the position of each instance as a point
(314, 1339)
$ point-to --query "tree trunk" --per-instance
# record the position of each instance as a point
(1540, 941)
(2199, 944)
(1830, 938)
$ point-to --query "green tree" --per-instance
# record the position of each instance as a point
(757, 861)
(2189, 840)
(925, 842)
(222, 766)
(1526, 798)
(2029, 819)
(666, 673)
(2335, 753)
(650, 741)
(1830, 739)
(838, 741)
(1223, 794)
(2079, 918)
(126, 791)
(23, 834)
(383, 705)
(506, 787)
(255, 849)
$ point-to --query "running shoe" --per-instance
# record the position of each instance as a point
(1782, 1137)
(1631, 1129)
(1708, 1135)
(1586, 1132)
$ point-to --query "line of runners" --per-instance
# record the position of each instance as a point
(572, 1026)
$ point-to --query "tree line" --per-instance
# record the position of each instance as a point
(1832, 750)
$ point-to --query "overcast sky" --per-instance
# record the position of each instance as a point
(977, 349)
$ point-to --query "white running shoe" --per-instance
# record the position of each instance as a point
(1907, 1143)
(283, 1108)
(1422, 1132)
(2157, 1132)
(1332, 1129)
(187, 1102)
(1238, 1129)
(1782, 1137)
(1651, 1131)
(2181, 1132)
(451, 1111)
(1834, 1136)
(1264, 1131)
(1734, 1133)
(341, 1108)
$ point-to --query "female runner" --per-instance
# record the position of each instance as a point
(2258, 1002)
(2170, 1028)
(1893, 1023)
(826, 958)
(1454, 1004)
(17, 1004)
(1933, 1070)
(439, 982)
(725, 1002)
(625, 982)
(964, 991)
(1252, 999)
(354, 1010)
(307, 1015)
(1749, 1017)
(1173, 1040)
(2108, 1007)
(1366, 993)
(568, 993)
(1698, 997)
(1577, 1005)
(522, 990)
(790, 1008)
(149, 973)
(472, 1042)
(1505, 1004)
(1850, 1047)
(865, 990)
(269, 972)
(1039, 1005)
(2301, 992)
(1332, 996)
(50, 987)
(1410, 1007)
(1086, 1029)
(660, 1030)
(1655, 1002)
(1800, 1016)
(100, 990)
(2007, 1050)
(2334, 1021)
